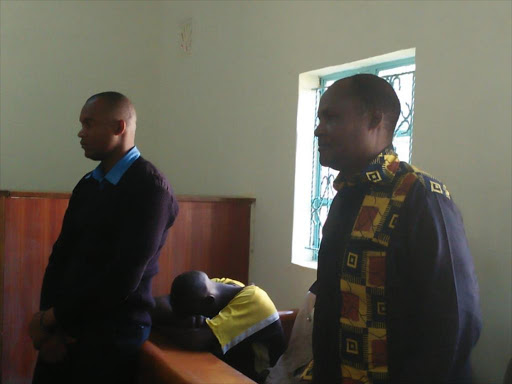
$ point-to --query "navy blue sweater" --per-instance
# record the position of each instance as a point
(100, 270)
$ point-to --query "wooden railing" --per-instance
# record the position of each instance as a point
(163, 363)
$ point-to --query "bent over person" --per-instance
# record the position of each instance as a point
(397, 295)
(96, 291)
(238, 323)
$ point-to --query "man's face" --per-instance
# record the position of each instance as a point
(199, 305)
(342, 132)
(97, 136)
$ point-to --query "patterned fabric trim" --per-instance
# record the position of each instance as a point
(363, 334)
(381, 170)
(307, 374)
(430, 183)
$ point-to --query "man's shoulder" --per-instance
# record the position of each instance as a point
(419, 179)
(227, 280)
(144, 173)
(141, 173)
(253, 296)
(85, 180)
(250, 306)
(251, 292)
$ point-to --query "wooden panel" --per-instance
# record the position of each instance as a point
(210, 236)
(31, 228)
(2, 257)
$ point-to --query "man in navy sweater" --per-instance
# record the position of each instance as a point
(96, 291)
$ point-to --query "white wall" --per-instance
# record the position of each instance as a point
(222, 120)
(53, 56)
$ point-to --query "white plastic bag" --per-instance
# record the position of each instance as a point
(298, 355)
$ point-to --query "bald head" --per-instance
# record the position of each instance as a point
(117, 106)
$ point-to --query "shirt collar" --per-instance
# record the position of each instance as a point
(114, 175)
(381, 170)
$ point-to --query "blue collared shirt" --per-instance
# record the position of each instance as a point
(114, 175)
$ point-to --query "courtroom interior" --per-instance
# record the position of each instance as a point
(217, 86)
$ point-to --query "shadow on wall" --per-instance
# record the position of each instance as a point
(508, 373)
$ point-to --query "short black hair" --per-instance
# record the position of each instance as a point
(112, 97)
(187, 290)
(376, 94)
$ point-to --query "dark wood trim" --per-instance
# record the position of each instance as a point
(216, 199)
(35, 195)
(2, 260)
(67, 195)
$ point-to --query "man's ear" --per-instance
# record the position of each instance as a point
(208, 306)
(376, 118)
(120, 127)
(209, 301)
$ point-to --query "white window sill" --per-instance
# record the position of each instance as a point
(306, 263)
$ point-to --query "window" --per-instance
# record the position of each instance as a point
(400, 73)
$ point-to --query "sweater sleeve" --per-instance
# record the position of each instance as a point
(142, 234)
(57, 259)
(442, 312)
